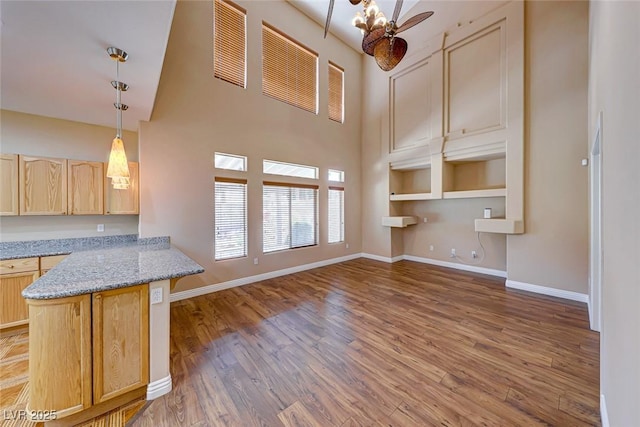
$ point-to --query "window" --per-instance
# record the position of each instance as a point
(335, 175)
(289, 70)
(229, 42)
(230, 162)
(230, 218)
(336, 214)
(336, 93)
(290, 213)
(289, 169)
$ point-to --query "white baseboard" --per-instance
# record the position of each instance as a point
(159, 387)
(257, 278)
(544, 290)
(457, 266)
(381, 258)
(604, 416)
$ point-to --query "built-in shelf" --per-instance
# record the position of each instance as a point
(398, 221)
(499, 225)
(469, 194)
(409, 197)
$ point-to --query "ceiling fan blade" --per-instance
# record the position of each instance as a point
(389, 51)
(328, 22)
(396, 11)
(414, 20)
(370, 40)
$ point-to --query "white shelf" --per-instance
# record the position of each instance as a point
(409, 196)
(499, 225)
(398, 221)
(469, 194)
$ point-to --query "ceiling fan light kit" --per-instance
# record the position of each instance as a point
(379, 35)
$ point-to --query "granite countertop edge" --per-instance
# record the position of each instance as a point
(112, 265)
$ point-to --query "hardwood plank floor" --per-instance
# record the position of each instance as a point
(365, 343)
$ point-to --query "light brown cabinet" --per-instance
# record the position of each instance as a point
(15, 275)
(85, 192)
(123, 202)
(88, 351)
(43, 186)
(60, 355)
(8, 184)
(120, 341)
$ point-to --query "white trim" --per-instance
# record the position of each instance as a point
(604, 415)
(457, 266)
(544, 290)
(159, 387)
(381, 258)
(251, 279)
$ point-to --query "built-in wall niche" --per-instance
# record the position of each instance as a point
(410, 181)
(480, 178)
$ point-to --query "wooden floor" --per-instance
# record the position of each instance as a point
(365, 343)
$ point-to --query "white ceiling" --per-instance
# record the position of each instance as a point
(54, 61)
(343, 13)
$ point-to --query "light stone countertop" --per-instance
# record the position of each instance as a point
(91, 271)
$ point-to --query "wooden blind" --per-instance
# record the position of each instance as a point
(336, 90)
(229, 42)
(336, 214)
(230, 218)
(289, 70)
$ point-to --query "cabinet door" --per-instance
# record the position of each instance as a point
(60, 355)
(123, 202)
(8, 184)
(120, 341)
(85, 188)
(43, 186)
(13, 308)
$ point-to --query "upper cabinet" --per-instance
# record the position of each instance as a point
(85, 195)
(8, 184)
(43, 186)
(123, 202)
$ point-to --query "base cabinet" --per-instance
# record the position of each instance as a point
(120, 341)
(60, 355)
(88, 350)
(15, 275)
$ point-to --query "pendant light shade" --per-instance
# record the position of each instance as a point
(118, 167)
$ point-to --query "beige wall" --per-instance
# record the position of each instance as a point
(554, 252)
(42, 136)
(196, 114)
(614, 90)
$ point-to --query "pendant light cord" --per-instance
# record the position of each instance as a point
(118, 102)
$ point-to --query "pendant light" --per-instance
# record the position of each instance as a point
(118, 167)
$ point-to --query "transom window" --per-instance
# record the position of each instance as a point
(289, 70)
(230, 162)
(289, 169)
(335, 175)
(229, 42)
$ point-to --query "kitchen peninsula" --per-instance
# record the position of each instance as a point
(99, 326)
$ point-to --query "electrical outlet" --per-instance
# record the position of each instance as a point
(431, 248)
(255, 261)
(474, 254)
(156, 295)
(347, 245)
(425, 219)
(100, 228)
(453, 253)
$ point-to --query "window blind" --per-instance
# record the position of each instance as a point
(290, 214)
(230, 218)
(336, 91)
(336, 214)
(229, 42)
(289, 70)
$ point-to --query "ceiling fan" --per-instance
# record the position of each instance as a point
(380, 39)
